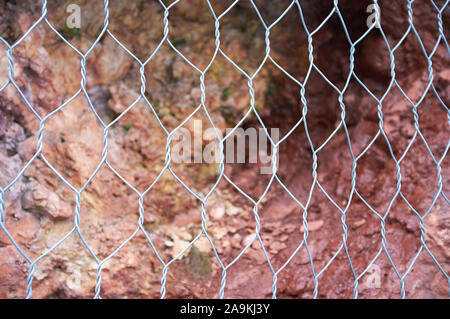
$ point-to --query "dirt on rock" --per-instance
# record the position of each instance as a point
(373, 212)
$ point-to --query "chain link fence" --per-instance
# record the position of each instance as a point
(252, 110)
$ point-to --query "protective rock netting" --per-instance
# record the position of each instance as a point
(316, 186)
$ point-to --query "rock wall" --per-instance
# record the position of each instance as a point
(40, 207)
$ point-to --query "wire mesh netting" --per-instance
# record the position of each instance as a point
(303, 205)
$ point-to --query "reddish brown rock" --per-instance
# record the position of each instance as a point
(39, 209)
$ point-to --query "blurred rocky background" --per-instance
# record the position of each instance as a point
(40, 207)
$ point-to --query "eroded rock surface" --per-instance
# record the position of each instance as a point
(40, 207)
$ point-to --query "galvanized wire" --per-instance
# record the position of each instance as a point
(315, 150)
